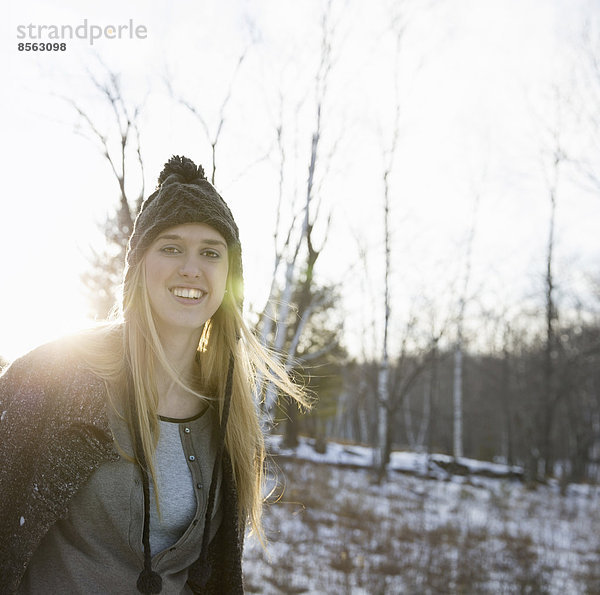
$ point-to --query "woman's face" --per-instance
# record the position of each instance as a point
(186, 273)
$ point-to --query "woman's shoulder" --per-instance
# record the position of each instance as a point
(65, 359)
(43, 360)
(67, 348)
(57, 377)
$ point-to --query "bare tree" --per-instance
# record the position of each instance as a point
(212, 133)
(410, 366)
(398, 26)
(298, 253)
(120, 146)
(459, 345)
(585, 154)
(416, 379)
(550, 394)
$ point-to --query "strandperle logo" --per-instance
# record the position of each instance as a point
(83, 31)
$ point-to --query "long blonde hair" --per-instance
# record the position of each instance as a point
(130, 346)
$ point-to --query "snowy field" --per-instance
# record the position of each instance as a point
(333, 530)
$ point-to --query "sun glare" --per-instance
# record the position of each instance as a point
(37, 312)
(29, 326)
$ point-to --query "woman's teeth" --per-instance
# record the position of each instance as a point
(187, 293)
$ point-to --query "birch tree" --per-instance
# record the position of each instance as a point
(398, 26)
(299, 252)
(457, 387)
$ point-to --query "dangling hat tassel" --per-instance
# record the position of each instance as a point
(149, 582)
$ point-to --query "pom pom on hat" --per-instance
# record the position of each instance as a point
(182, 167)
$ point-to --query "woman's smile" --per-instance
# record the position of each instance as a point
(190, 294)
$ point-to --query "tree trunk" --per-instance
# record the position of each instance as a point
(432, 403)
(549, 380)
(457, 444)
(506, 398)
(379, 452)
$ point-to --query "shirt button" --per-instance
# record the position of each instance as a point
(187, 430)
(199, 485)
(192, 458)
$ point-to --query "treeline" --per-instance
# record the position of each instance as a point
(510, 412)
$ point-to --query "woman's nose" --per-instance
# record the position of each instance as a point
(190, 268)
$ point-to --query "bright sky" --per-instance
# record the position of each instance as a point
(475, 85)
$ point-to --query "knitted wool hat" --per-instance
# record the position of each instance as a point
(184, 195)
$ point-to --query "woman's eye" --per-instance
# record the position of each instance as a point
(170, 250)
(211, 253)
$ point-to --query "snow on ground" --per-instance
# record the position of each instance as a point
(333, 529)
(356, 455)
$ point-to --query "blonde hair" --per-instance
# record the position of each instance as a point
(131, 347)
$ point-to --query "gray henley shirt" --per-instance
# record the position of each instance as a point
(97, 548)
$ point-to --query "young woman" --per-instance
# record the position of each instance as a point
(131, 455)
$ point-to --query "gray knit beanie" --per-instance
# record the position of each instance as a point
(184, 195)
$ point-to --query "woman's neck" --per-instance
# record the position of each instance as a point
(174, 401)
